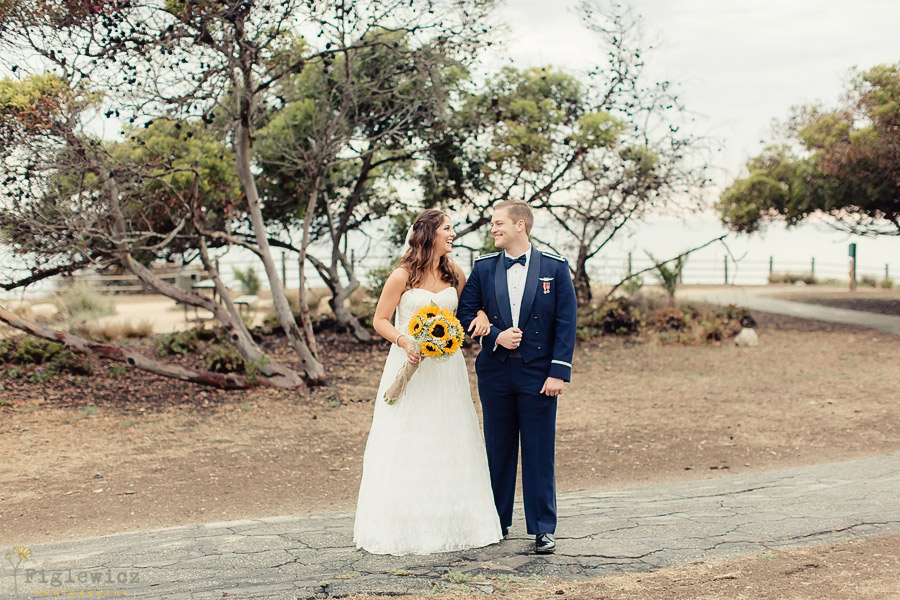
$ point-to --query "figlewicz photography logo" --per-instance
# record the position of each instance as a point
(34, 582)
(21, 554)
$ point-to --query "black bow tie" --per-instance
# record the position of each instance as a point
(511, 261)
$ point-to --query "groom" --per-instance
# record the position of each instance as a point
(526, 356)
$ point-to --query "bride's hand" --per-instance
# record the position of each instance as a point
(480, 325)
(412, 353)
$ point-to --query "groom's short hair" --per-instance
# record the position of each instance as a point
(518, 211)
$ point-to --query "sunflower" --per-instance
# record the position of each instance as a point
(431, 349)
(448, 315)
(416, 324)
(451, 345)
(431, 311)
(439, 331)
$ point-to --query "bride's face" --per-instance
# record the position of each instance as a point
(443, 238)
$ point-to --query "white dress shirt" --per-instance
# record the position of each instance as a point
(515, 282)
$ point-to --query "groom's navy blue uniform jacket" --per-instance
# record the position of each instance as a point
(509, 382)
(547, 317)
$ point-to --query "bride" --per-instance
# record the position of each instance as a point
(425, 485)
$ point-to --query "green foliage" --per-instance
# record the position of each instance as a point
(886, 283)
(669, 277)
(224, 358)
(116, 371)
(178, 342)
(249, 280)
(29, 350)
(72, 363)
(32, 104)
(50, 358)
(183, 161)
(252, 369)
(840, 163)
(633, 285)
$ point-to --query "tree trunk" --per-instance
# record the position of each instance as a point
(345, 317)
(314, 370)
(237, 334)
(133, 358)
(301, 286)
(582, 282)
(339, 293)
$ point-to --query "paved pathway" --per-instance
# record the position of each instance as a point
(760, 298)
(600, 532)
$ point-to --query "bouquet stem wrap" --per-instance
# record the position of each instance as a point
(398, 388)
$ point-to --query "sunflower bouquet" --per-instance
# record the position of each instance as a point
(437, 333)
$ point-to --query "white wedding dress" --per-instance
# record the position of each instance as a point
(425, 485)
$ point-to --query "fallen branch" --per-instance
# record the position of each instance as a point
(132, 358)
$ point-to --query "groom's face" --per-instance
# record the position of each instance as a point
(505, 230)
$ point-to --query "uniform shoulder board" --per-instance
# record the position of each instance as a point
(483, 256)
(553, 256)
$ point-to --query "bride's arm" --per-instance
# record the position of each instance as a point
(384, 310)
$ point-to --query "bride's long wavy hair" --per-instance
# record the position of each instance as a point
(419, 257)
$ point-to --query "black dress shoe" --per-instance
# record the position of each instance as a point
(505, 532)
(544, 543)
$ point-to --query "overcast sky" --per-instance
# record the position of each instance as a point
(739, 64)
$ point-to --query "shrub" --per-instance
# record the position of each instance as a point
(887, 283)
(72, 363)
(633, 285)
(868, 281)
(224, 359)
(111, 332)
(617, 316)
(668, 277)
(249, 280)
(29, 350)
(792, 278)
(81, 300)
(669, 319)
(178, 342)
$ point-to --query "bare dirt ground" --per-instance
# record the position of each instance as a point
(114, 453)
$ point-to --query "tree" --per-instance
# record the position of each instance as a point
(76, 201)
(374, 105)
(843, 164)
(216, 62)
(593, 154)
(647, 161)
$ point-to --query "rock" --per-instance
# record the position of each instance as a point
(746, 338)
